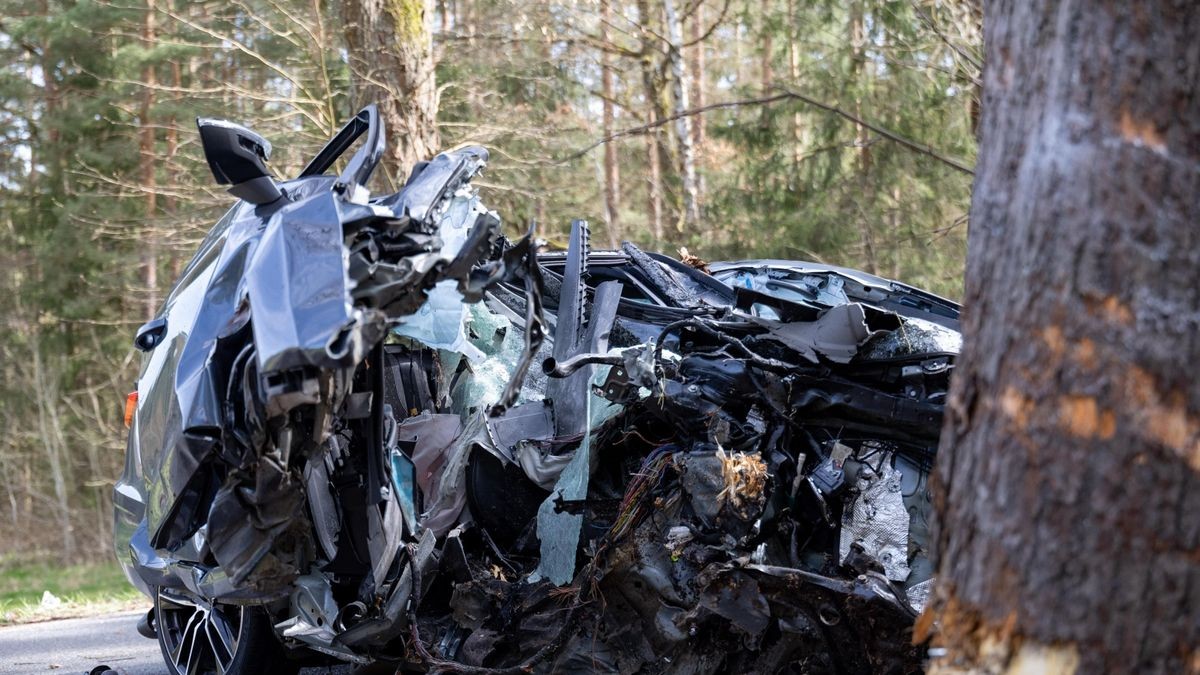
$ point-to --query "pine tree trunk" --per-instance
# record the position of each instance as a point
(1069, 477)
(148, 174)
(699, 98)
(612, 186)
(391, 58)
(858, 41)
(170, 206)
(794, 76)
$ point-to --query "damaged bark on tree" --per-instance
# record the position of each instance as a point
(1069, 481)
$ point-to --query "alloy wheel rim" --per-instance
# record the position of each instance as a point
(200, 637)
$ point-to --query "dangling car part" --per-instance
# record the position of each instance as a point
(372, 428)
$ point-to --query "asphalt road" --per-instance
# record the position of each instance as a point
(78, 645)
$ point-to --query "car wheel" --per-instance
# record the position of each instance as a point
(200, 638)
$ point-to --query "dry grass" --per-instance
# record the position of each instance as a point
(81, 590)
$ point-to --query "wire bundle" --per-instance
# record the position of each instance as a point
(633, 504)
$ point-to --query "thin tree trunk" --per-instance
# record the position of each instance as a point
(699, 98)
(739, 69)
(391, 58)
(7, 467)
(98, 475)
(794, 77)
(653, 141)
(683, 124)
(148, 173)
(699, 94)
(27, 480)
(32, 113)
(170, 207)
(767, 73)
(861, 137)
(653, 193)
(469, 20)
(1069, 474)
(50, 433)
(612, 187)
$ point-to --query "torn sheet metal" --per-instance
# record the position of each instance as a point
(836, 335)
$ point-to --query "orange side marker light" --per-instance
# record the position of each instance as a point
(130, 407)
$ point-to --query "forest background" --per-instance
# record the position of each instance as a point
(840, 132)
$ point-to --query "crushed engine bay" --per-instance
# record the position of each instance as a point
(506, 460)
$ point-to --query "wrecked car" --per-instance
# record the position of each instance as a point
(373, 428)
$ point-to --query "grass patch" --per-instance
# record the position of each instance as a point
(98, 586)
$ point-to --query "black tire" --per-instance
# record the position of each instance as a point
(199, 638)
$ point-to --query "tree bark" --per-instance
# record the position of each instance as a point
(612, 186)
(858, 41)
(1068, 484)
(650, 92)
(170, 206)
(699, 97)
(683, 124)
(391, 59)
(794, 76)
(149, 161)
(699, 81)
(653, 191)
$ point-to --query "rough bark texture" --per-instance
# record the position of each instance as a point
(1068, 488)
(391, 58)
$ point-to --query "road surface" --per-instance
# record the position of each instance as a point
(79, 645)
